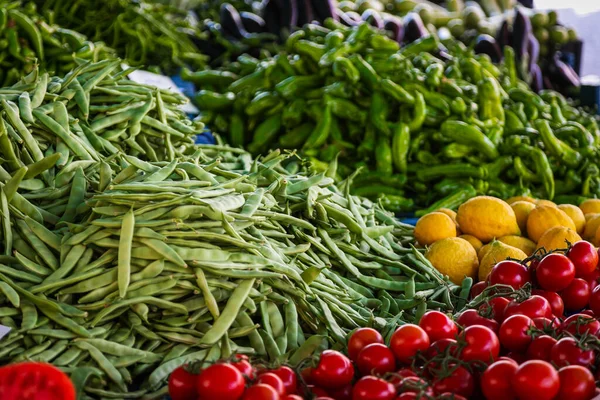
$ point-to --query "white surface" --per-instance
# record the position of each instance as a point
(584, 17)
(4, 331)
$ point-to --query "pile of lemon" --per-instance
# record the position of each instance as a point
(486, 230)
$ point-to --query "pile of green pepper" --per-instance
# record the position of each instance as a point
(431, 121)
(27, 40)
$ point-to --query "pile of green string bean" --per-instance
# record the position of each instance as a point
(128, 251)
(27, 40)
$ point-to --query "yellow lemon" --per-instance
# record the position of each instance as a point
(454, 257)
(482, 252)
(433, 227)
(498, 252)
(522, 210)
(522, 243)
(521, 198)
(546, 203)
(543, 218)
(476, 243)
(590, 206)
(575, 214)
(557, 237)
(591, 226)
(487, 217)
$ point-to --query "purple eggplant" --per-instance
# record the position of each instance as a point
(373, 18)
(533, 48)
(520, 34)
(305, 12)
(562, 72)
(231, 22)
(548, 83)
(413, 28)
(350, 18)
(323, 9)
(395, 26)
(485, 44)
(537, 81)
(252, 22)
(504, 35)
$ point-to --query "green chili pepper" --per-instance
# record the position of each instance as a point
(379, 112)
(451, 201)
(555, 146)
(343, 68)
(265, 133)
(396, 91)
(207, 100)
(383, 155)
(366, 71)
(469, 135)
(263, 101)
(294, 85)
(400, 146)
(322, 130)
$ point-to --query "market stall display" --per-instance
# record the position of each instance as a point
(137, 262)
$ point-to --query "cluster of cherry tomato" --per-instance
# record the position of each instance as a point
(514, 343)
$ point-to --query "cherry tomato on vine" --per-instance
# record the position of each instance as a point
(568, 352)
(477, 289)
(459, 381)
(540, 348)
(576, 383)
(407, 341)
(547, 325)
(35, 380)
(440, 346)
(438, 325)
(257, 392)
(496, 380)
(592, 278)
(344, 393)
(472, 317)
(514, 332)
(595, 300)
(555, 272)
(584, 256)
(415, 385)
(306, 374)
(533, 307)
(373, 388)
(220, 381)
(361, 338)
(580, 324)
(509, 273)
(333, 371)
(577, 295)
(182, 384)
(288, 377)
(536, 379)
(556, 302)
(481, 344)
(269, 378)
(243, 365)
(376, 359)
(291, 397)
(498, 307)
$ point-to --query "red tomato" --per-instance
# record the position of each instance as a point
(288, 377)
(471, 317)
(568, 352)
(361, 338)
(450, 396)
(35, 380)
(373, 388)
(257, 392)
(438, 326)
(584, 256)
(481, 343)
(577, 295)
(333, 371)
(576, 383)
(536, 379)
(244, 366)
(546, 325)
(595, 300)
(291, 397)
(533, 307)
(316, 391)
(514, 332)
(509, 273)
(580, 324)
(556, 302)
(592, 278)
(498, 305)
(221, 381)
(555, 272)
(440, 346)
(182, 384)
(407, 340)
(411, 396)
(376, 359)
(540, 348)
(344, 393)
(477, 288)
(269, 378)
(496, 380)
(460, 381)
(324, 398)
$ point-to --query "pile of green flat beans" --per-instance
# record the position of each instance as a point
(27, 40)
(127, 250)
